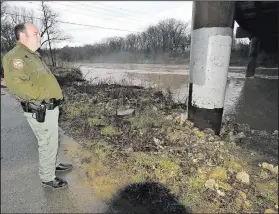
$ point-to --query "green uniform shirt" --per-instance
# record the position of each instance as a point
(28, 77)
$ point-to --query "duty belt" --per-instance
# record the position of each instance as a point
(52, 103)
(32, 108)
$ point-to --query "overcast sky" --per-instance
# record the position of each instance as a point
(132, 16)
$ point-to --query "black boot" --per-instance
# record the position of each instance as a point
(64, 167)
(56, 183)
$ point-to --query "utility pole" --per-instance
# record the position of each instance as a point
(211, 40)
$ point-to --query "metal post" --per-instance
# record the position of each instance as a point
(253, 55)
(211, 42)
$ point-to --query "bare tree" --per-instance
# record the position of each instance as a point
(50, 30)
(174, 33)
(9, 18)
(21, 15)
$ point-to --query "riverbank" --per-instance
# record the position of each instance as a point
(260, 113)
(131, 134)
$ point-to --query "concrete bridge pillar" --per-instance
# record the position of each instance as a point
(253, 55)
(211, 40)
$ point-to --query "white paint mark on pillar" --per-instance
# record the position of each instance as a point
(210, 57)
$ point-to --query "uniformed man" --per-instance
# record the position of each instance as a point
(31, 81)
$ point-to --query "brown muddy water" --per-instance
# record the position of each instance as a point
(250, 101)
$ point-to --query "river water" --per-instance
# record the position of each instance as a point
(250, 101)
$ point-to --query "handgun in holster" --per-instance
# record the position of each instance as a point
(40, 111)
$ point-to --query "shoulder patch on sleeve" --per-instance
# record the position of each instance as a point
(17, 63)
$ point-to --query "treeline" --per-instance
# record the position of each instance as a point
(167, 40)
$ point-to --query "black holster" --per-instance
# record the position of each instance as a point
(39, 110)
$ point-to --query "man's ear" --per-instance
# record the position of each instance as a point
(22, 35)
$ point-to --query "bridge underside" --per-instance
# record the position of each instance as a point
(259, 19)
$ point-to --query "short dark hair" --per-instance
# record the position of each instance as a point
(19, 28)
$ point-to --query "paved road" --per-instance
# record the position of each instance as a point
(21, 190)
